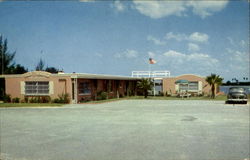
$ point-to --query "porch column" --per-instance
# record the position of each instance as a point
(76, 90)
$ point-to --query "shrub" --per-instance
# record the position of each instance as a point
(33, 100)
(85, 99)
(160, 93)
(26, 99)
(6, 98)
(56, 100)
(45, 99)
(121, 95)
(62, 98)
(42, 99)
(15, 100)
(102, 95)
(131, 93)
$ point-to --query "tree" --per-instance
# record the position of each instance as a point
(16, 69)
(145, 85)
(214, 80)
(51, 70)
(7, 64)
(5, 56)
(40, 65)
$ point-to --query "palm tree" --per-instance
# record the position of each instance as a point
(145, 85)
(214, 80)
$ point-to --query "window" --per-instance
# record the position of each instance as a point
(190, 86)
(110, 86)
(183, 87)
(193, 86)
(84, 88)
(36, 88)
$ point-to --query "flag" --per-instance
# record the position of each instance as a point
(152, 61)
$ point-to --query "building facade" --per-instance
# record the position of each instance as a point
(189, 83)
(79, 87)
(156, 76)
(82, 87)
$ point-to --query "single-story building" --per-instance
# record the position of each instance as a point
(83, 87)
(189, 83)
(78, 86)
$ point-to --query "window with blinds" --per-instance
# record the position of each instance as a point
(193, 86)
(37, 88)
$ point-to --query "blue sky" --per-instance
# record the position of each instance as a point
(117, 37)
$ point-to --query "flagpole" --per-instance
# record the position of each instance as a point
(149, 70)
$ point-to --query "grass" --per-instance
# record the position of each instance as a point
(30, 105)
(220, 97)
(104, 101)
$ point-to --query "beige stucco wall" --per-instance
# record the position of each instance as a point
(169, 83)
(60, 85)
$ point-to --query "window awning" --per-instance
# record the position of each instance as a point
(181, 81)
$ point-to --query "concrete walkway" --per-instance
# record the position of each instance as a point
(127, 130)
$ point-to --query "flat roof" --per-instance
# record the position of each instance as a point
(96, 76)
(72, 75)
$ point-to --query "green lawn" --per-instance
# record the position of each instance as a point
(105, 101)
(221, 98)
(30, 105)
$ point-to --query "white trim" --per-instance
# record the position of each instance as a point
(177, 87)
(200, 86)
(151, 74)
(51, 87)
(22, 87)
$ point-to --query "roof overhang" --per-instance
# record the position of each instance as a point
(71, 75)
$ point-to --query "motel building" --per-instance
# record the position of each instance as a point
(79, 86)
(84, 87)
(164, 84)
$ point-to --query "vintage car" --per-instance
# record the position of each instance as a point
(237, 95)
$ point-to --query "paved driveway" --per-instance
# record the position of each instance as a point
(127, 130)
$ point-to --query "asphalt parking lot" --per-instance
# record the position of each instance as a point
(127, 130)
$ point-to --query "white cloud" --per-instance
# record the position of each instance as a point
(237, 62)
(230, 41)
(190, 57)
(202, 58)
(151, 54)
(174, 54)
(127, 54)
(155, 40)
(243, 43)
(189, 63)
(177, 37)
(229, 50)
(119, 6)
(98, 55)
(194, 37)
(235, 43)
(193, 47)
(206, 8)
(84, 0)
(237, 56)
(159, 9)
(198, 37)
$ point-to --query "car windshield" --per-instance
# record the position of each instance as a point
(236, 90)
